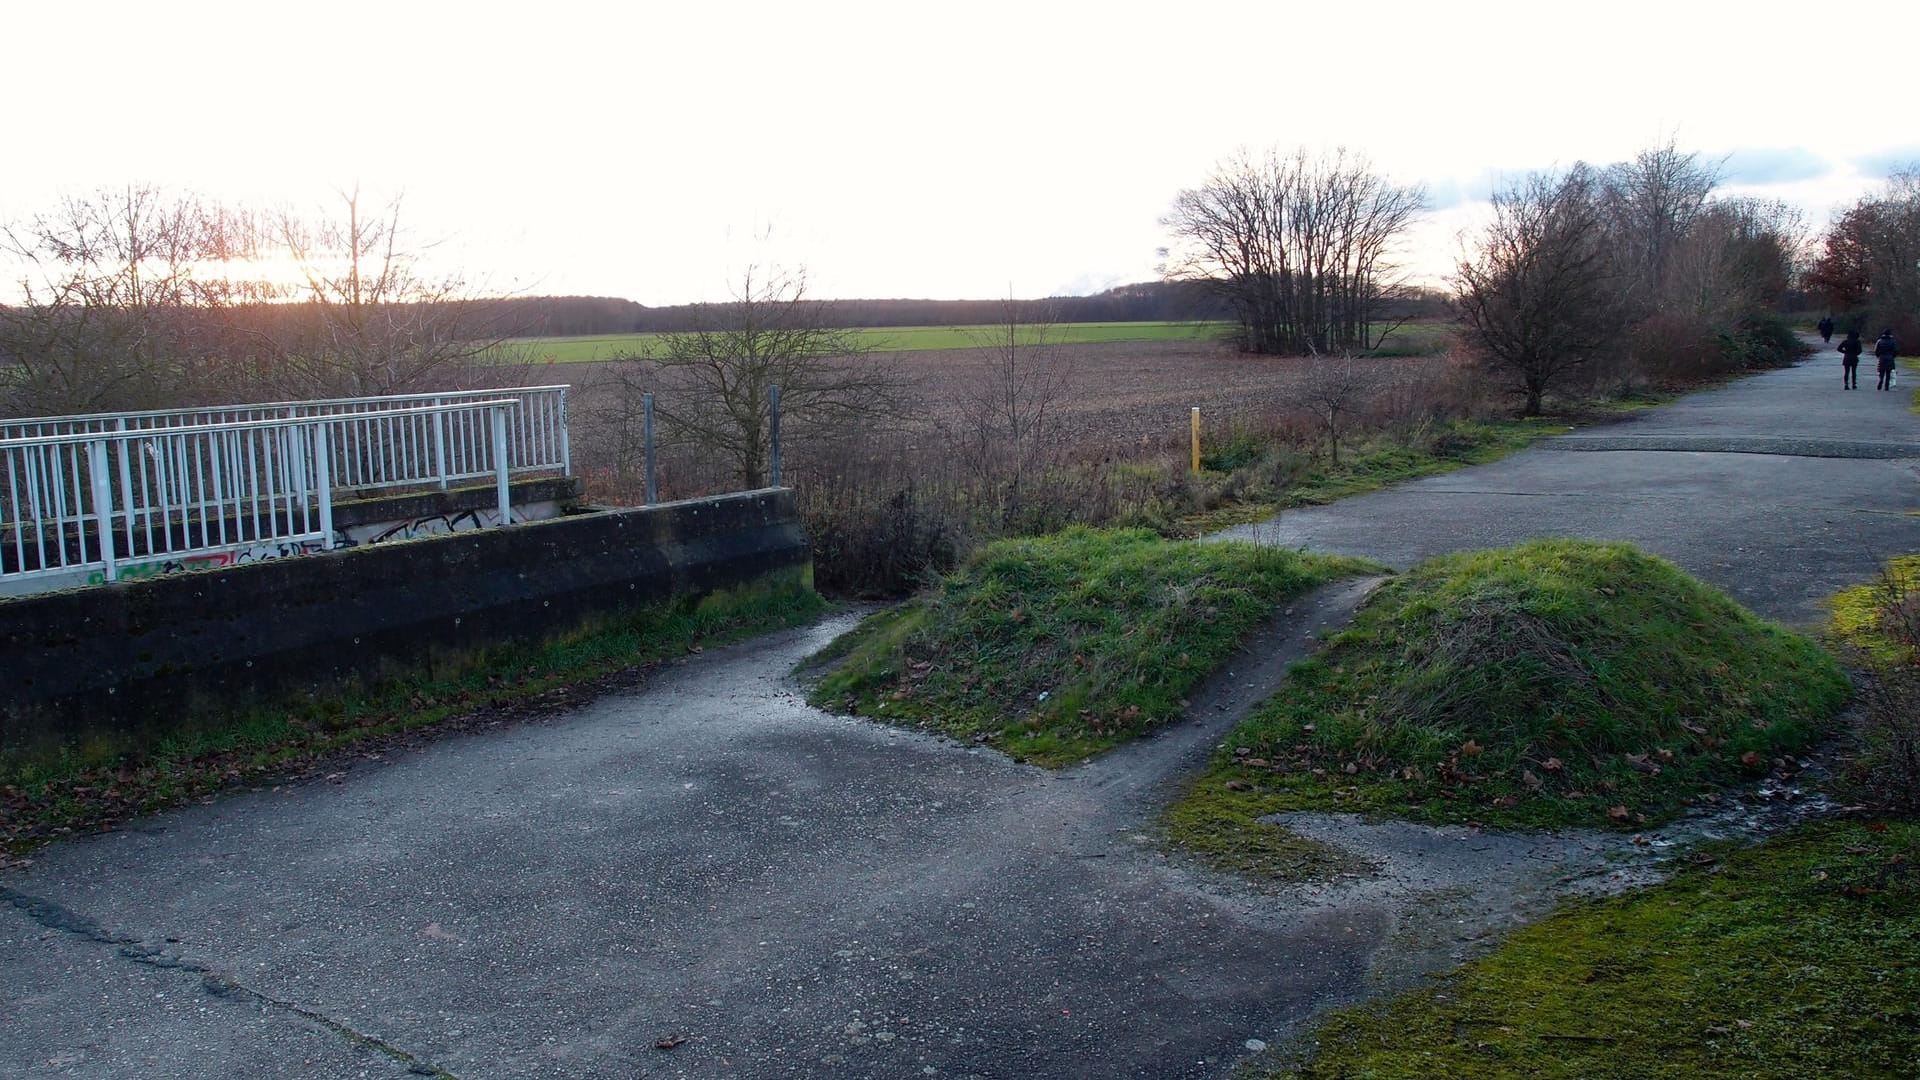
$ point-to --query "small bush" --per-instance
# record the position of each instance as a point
(1757, 342)
(870, 542)
(1880, 622)
(1672, 347)
(1240, 450)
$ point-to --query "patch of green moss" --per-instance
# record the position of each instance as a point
(1218, 820)
(1799, 958)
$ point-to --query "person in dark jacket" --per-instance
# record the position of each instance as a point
(1826, 329)
(1887, 351)
(1850, 350)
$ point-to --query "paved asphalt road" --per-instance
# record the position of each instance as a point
(801, 895)
(1781, 489)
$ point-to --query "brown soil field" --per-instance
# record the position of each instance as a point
(1116, 397)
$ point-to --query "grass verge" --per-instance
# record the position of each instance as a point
(1375, 463)
(45, 795)
(1797, 958)
(1060, 646)
(1553, 683)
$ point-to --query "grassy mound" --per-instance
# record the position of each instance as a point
(1061, 646)
(1798, 958)
(1557, 682)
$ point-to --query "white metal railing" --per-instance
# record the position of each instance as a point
(97, 500)
(436, 451)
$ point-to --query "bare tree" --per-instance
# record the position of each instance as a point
(771, 334)
(1299, 248)
(1537, 295)
(371, 319)
(1868, 264)
(1006, 437)
(1332, 388)
(127, 300)
(1651, 204)
(1738, 258)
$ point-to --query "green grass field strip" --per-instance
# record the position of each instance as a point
(566, 350)
(1061, 646)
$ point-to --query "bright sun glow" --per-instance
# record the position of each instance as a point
(649, 150)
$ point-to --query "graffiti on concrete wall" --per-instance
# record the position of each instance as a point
(436, 525)
(351, 537)
(139, 571)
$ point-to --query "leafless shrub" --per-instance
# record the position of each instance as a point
(1887, 770)
(1898, 596)
(1005, 426)
(1334, 387)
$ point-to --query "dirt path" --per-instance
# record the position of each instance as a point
(795, 894)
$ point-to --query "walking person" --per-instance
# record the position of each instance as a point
(1826, 329)
(1887, 351)
(1850, 350)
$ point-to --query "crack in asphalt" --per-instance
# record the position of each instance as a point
(55, 916)
(1772, 445)
(1280, 520)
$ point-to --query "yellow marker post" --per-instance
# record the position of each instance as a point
(1196, 439)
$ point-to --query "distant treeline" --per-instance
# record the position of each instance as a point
(1155, 301)
(493, 318)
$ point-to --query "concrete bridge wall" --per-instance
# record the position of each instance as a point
(138, 656)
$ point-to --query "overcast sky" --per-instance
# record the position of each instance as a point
(651, 150)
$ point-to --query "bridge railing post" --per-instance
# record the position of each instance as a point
(323, 482)
(102, 506)
(440, 446)
(501, 467)
(566, 441)
(126, 480)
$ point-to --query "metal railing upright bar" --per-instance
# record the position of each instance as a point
(95, 501)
